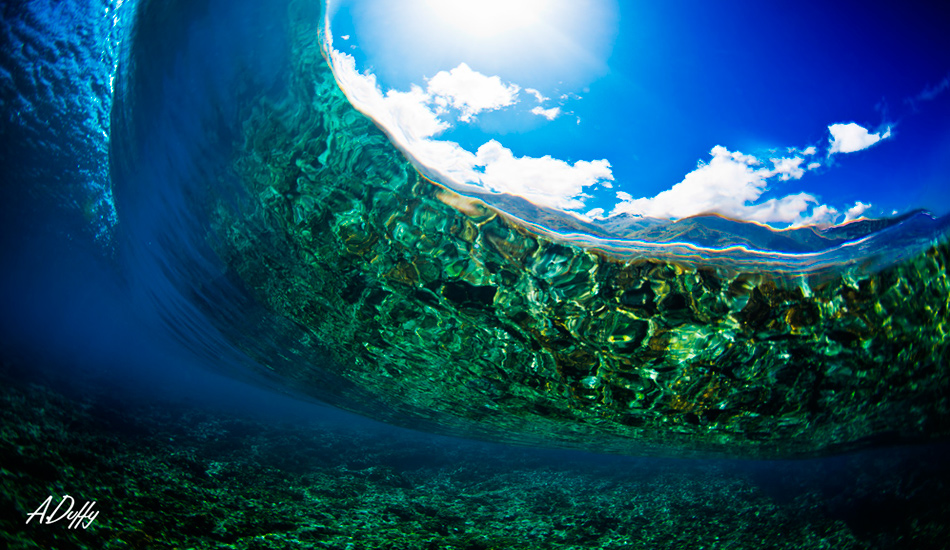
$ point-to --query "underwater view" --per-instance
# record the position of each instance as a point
(458, 274)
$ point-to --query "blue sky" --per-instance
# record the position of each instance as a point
(778, 112)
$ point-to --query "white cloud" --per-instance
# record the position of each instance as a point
(412, 120)
(409, 112)
(404, 114)
(537, 95)
(848, 138)
(855, 211)
(545, 181)
(448, 158)
(788, 168)
(792, 209)
(821, 214)
(730, 184)
(549, 114)
(470, 91)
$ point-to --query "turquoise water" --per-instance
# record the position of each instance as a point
(265, 230)
(278, 222)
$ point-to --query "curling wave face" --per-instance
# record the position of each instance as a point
(273, 219)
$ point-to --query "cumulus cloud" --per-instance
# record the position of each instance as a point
(408, 111)
(470, 91)
(851, 137)
(788, 168)
(732, 183)
(405, 115)
(448, 158)
(792, 209)
(856, 211)
(545, 180)
(412, 119)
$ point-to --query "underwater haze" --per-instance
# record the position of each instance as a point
(355, 274)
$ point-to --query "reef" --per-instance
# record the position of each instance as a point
(389, 294)
(168, 474)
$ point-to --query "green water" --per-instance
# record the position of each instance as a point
(393, 296)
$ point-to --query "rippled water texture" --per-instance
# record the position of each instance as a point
(268, 217)
(56, 79)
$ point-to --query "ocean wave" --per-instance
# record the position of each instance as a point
(268, 217)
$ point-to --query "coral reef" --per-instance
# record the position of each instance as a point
(173, 475)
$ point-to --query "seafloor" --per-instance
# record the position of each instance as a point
(174, 474)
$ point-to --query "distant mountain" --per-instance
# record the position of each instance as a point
(553, 219)
(714, 231)
(708, 230)
(863, 227)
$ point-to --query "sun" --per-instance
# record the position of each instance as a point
(490, 18)
(549, 45)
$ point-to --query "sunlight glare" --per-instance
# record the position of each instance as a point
(489, 18)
